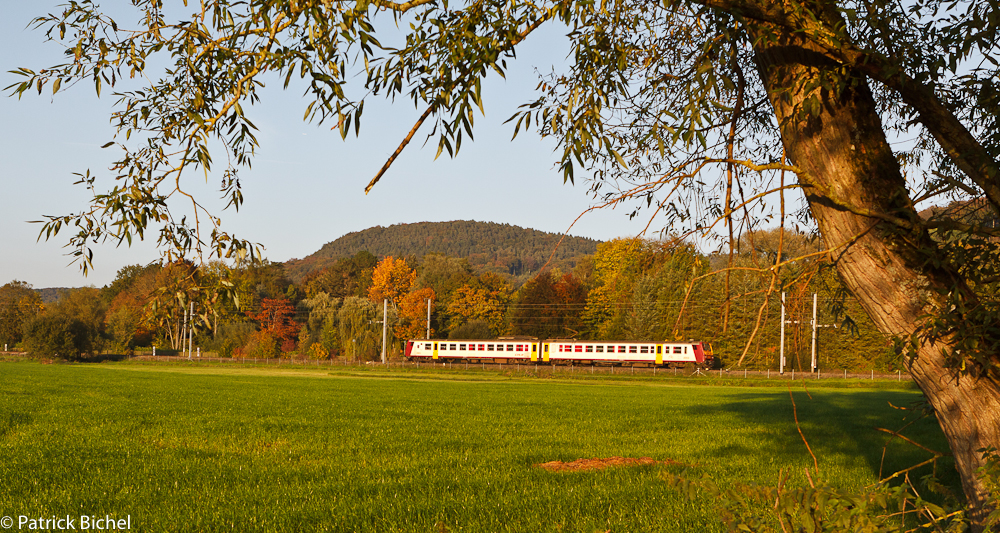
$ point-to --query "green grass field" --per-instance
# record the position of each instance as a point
(211, 449)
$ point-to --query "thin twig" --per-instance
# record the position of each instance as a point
(795, 413)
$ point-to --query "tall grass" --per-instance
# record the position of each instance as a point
(221, 449)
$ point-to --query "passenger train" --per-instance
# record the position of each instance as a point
(562, 351)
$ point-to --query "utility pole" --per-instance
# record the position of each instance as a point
(385, 325)
(191, 329)
(813, 366)
(428, 319)
(781, 366)
(184, 330)
(816, 324)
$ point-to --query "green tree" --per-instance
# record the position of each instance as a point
(19, 303)
(712, 103)
(321, 324)
(58, 335)
(350, 276)
(360, 336)
(72, 328)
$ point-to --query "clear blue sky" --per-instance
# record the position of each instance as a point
(306, 187)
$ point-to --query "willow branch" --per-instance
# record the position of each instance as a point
(399, 150)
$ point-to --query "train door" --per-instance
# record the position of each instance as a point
(659, 354)
(545, 352)
(435, 353)
(534, 351)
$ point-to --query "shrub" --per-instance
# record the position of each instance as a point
(261, 345)
(317, 351)
(58, 336)
(229, 338)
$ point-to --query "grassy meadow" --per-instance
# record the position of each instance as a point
(229, 449)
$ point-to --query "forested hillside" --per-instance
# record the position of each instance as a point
(50, 294)
(488, 246)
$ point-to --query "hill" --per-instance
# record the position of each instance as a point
(488, 246)
(51, 294)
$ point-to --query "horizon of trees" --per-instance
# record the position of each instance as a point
(633, 289)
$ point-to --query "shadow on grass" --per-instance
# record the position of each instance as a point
(843, 427)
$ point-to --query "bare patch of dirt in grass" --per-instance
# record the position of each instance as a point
(598, 463)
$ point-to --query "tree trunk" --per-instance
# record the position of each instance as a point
(855, 190)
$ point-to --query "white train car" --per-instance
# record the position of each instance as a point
(562, 351)
(473, 349)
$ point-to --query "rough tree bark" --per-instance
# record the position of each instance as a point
(859, 199)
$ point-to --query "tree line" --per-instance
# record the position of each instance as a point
(633, 289)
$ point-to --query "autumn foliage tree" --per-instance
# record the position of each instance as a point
(412, 314)
(485, 298)
(276, 317)
(548, 306)
(392, 280)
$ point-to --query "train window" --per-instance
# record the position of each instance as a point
(590, 348)
(534, 347)
(677, 349)
(461, 346)
(632, 349)
(659, 348)
(482, 347)
(452, 346)
(579, 348)
(546, 348)
(621, 349)
(685, 349)
(600, 349)
(489, 347)
(644, 349)
(427, 346)
(435, 346)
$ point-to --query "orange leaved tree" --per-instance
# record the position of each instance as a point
(392, 280)
(277, 320)
(413, 313)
